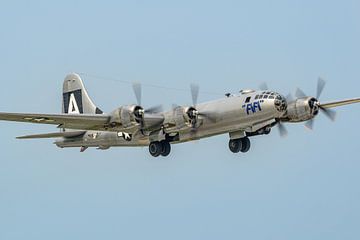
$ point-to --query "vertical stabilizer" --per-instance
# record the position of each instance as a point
(76, 100)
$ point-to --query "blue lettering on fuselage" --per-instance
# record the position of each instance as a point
(252, 107)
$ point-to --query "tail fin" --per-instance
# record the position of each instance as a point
(75, 97)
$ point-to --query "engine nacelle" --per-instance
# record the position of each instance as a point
(184, 117)
(127, 116)
(302, 109)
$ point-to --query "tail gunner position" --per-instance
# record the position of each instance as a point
(82, 124)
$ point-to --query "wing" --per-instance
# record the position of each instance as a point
(340, 103)
(97, 122)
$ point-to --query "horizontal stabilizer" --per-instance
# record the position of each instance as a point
(55, 135)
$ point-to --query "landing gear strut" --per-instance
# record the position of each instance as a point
(162, 148)
(239, 145)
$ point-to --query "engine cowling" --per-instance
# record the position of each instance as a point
(127, 116)
(302, 109)
(185, 117)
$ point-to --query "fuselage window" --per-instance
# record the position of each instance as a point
(247, 99)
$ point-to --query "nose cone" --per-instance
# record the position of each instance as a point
(280, 103)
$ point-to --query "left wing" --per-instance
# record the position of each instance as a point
(97, 122)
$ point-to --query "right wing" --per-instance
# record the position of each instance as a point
(98, 122)
(340, 103)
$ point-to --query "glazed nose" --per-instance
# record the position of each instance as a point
(280, 103)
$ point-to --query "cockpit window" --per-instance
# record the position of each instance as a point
(261, 96)
(271, 97)
(257, 97)
(266, 96)
(247, 99)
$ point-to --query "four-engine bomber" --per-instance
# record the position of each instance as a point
(243, 115)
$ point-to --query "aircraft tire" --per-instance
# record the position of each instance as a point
(155, 149)
(166, 148)
(245, 144)
(235, 145)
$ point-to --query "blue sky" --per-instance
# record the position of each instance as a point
(302, 187)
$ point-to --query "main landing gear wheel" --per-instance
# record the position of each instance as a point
(235, 145)
(162, 148)
(166, 148)
(245, 144)
(155, 149)
(239, 145)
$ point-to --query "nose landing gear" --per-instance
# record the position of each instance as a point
(239, 145)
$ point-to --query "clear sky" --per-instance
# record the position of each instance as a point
(305, 186)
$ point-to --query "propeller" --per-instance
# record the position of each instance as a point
(194, 88)
(138, 92)
(315, 103)
(289, 98)
(282, 129)
(194, 93)
(263, 86)
(137, 88)
(140, 111)
(299, 93)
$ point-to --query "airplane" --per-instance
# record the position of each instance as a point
(244, 115)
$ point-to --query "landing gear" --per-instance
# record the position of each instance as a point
(235, 145)
(155, 149)
(162, 148)
(166, 148)
(239, 145)
(245, 145)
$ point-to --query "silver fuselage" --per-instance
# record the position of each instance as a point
(236, 114)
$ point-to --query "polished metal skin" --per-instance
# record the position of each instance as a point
(243, 115)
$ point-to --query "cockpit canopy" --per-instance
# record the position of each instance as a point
(266, 95)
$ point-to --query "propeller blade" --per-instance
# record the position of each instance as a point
(289, 98)
(331, 114)
(137, 90)
(174, 106)
(154, 109)
(299, 93)
(310, 124)
(194, 93)
(320, 87)
(282, 130)
(263, 86)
